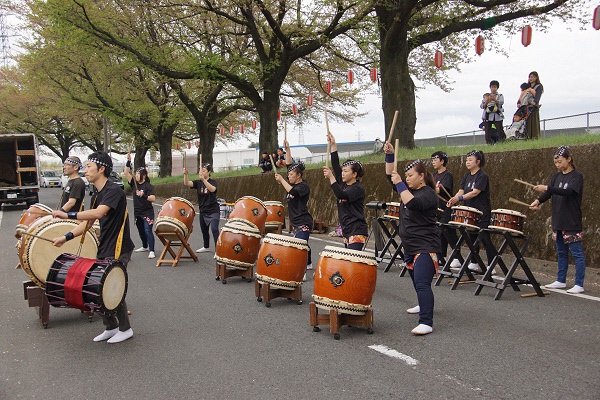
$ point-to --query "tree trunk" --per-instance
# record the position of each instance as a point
(267, 111)
(140, 156)
(207, 131)
(165, 143)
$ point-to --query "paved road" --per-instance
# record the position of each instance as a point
(197, 338)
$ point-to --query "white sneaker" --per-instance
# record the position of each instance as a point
(474, 267)
(203, 250)
(414, 310)
(576, 289)
(151, 255)
(422, 329)
(141, 249)
(455, 263)
(107, 334)
(309, 266)
(556, 285)
(121, 336)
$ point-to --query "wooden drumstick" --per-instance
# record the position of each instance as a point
(397, 144)
(518, 202)
(524, 183)
(284, 130)
(393, 126)
(200, 164)
(328, 144)
(273, 163)
(37, 236)
(445, 191)
(443, 199)
(184, 161)
(131, 145)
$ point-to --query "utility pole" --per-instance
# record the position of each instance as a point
(4, 43)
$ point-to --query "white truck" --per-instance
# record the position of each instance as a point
(19, 166)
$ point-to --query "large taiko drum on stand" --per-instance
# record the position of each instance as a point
(282, 261)
(275, 214)
(37, 255)
(392, 210)
(345, 280)
(251, 209)
(238, 244)
(508, 220)
(33, 213)
(86, 284)
(465, 216)
(176, 215)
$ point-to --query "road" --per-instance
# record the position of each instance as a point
(196, 338)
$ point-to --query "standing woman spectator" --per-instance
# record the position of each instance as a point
(532, 127)
(492, 106)
(297, 196)
(143, 211)
(210, 212)
(566, 190)
(350, 194)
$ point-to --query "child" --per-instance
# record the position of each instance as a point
(527, 95)
(484, 115)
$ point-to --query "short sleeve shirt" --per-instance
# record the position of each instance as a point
(74, 189)
(481, 181)
(297, 199)
(142, 207)
(114, 197)
(207, 200)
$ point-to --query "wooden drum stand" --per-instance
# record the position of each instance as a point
(336, 319)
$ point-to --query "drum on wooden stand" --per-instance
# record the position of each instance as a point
(466, 216)
(251, 209)
(176, 215)
(508, 220)
(33, 213)
(37, 254)
(86, 284)
(281, 261)
(238, 244)
(275, 214)
(392, 210)
(345, 280)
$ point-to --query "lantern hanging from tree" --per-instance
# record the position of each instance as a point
(231, 130)
(294, 109)
(596, 20)
(197, 143)
(309, 100)
(221, 131)
(438, 59)
(253, 124)
(177, 146)
(242, 128)
(279, 115)
(373, 74)
(526, 35)
(350, 76)
(328, 87)
(479, 45)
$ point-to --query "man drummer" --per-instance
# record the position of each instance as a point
(109, 205)
(73, 192)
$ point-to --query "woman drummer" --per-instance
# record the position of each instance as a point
(143, 211)
(350, 194)
(297, 196)
(210, 212)
(566, 190)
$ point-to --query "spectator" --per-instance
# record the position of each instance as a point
(494, 114)
(265, 163)
(533, 121)
(279, 158)
(378, 147)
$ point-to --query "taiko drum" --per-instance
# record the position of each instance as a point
(238, 244)
(345, 280)
(508, 220)
(282, 261)
(275, 213)
(33, 213)
(251, 209)
(466, 216)
(392, 210)
(176, 215)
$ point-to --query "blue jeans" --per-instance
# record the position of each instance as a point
(421, 275)
(145, 231)
(212, 222)
(576, 250)
(305, 235)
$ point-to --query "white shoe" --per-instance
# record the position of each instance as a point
(414, 310)
(121, 336)
(304, 278)
(141, 249)
(203, 250)
(455, 263)
(107, 334)
(309, 266)
(576, 289)
(556, 285)
(474, 267)
(422, 329)
(151, 255)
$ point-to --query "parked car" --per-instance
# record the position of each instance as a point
(50, 179)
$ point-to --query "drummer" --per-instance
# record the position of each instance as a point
(475, 192)
(210, 213)
(109, 205)
(444, 183)
(73, 193)
(297, 196)
(350, 194)
(143, 211)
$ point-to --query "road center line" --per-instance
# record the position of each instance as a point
(394, 354)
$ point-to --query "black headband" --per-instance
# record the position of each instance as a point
(412, 164)
(472, 153)
(350, 162)
(140, 169)
(295, 166)
(560, 152)
(95, 160)
(73, 161)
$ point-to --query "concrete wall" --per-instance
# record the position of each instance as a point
(534, 166)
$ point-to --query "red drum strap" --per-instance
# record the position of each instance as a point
(74, 282)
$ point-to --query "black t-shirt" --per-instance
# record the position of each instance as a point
(418, 223)
(481, 181)
(207, 200)
(141, 206)
(297, 199)
(446, 180)
(74, 189)
(350, 202)
(114, 197)
(566, 191)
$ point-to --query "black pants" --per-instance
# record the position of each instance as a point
(118, 318)
(490, 138)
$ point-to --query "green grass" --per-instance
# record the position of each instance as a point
(425, 152)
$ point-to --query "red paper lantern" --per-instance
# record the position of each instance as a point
(253, 124)
(373, 74)
(309, 100)
(177, 146)
(438, 59)
(596, 20)
(479, 45)
(242, 128)
(279, 115)
(294, 109)
(231, 130)
(328, 87)
(526, 35)
(197, 143)
(221, 131)
(350, 76)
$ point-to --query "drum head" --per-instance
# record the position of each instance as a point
(273, 203)
(114, 287)
(342, 253)
(259, 201)
(393, 204)
(186, 201)
(509, 212)
(288, 241)
(468, 226)
(465, 208)
(502, 228)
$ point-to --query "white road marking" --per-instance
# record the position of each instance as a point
(394, 354)
(564, 291)
(1, 212)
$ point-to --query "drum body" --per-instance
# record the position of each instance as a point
(282, 261)
(466, 216)
(508, 220)
(238, 244)
(251, 209)
(345, 280)
(176, 215)
(33, 213)
(392, 210)
(37, 255)
(86, 284)
(275, 213)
